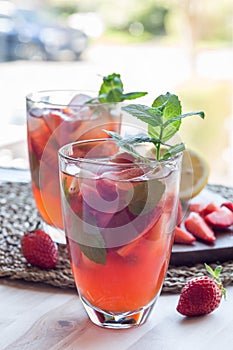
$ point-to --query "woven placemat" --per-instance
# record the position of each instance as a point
(18, 214)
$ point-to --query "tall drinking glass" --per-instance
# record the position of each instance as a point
(55, 118)
(119, 216)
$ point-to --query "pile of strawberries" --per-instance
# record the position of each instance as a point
(202, 222)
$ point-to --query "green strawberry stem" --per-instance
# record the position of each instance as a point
(215, 274)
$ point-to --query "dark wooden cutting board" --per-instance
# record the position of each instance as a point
(200, 252)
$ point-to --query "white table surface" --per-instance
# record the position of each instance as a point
(38, 317)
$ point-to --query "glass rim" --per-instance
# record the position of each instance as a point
(40, 93)
(152, 162)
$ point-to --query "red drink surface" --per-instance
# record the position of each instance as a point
(128, 270)
(48, 130)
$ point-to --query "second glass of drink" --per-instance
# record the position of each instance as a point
(55, 118)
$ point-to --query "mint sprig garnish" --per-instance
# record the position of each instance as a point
(112, 90)
(126, 143)
(163, 120)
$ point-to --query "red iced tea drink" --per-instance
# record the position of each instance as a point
(119, 219)
(51, 125)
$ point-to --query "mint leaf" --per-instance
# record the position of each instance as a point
(181, 116)
(173, 150)
(95, 248)
(152, 116)
(91, 244)
(133, 95)
(114, 135)
(137, 139)
(163, 120)
(111, 90)
(172, 108)
(125, 145)
(143, 201)
(111, 82)
(114, 95)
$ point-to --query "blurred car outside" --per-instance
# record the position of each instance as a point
(31, 34)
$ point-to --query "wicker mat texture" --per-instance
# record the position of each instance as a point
(18, 215)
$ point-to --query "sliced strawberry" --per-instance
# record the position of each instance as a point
(196, 225)
(228, 205)
(183, 237)
(196, 207)
(93, 199)
(127, 248)
(221, 218)
(125, 174)
(211, 207)
(39, 137)
(61, 126)
(179, 214)
(122, 157)
(107, 189)
(76, 203)
(93, 133)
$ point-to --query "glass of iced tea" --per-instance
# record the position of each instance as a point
(119, 215)
(55, 118)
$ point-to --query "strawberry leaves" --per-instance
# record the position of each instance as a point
(215, 274)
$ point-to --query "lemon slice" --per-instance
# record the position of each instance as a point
(194, 174)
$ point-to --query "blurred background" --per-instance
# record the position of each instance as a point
(180, 46)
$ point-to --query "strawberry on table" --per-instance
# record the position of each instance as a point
(196, 207)
(183, 237)
(201, 295)
(202, 209)
(39, 249)
(228, 205)
(221, 218)
(196, 225)
(209, 208)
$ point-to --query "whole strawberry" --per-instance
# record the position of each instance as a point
(201, 295)
(39, 249)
